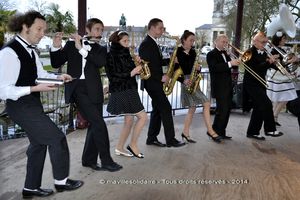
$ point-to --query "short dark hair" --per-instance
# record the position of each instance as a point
(117, 36)
(276, 39)
(154, 22)
(91, 22)
(185, 35)
(16, 22)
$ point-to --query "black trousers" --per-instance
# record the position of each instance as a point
(97, 141)
(262, 113)
(223, 106)
(42, 133)
(161, 112)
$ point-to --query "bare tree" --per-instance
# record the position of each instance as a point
(38, 5)
(7, 4)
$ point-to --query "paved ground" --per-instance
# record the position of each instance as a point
(238, 169)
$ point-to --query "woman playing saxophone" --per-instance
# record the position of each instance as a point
(188, 61)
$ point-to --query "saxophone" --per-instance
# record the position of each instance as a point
(195, 76)
(145, 73)
(168, 86)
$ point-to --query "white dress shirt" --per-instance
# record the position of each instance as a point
(9, 72)
(224, 57)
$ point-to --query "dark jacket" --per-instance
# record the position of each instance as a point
(259, 64)
(220, 73)
(118, 68)
(186, 62)
(95, 59)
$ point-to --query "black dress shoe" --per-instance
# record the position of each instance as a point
(111, 167)
(70, 185)
(38, 193)
(225, 137)
(277, 124)
(256, 137)
(175, 143)
(96, 166)
(156, 143)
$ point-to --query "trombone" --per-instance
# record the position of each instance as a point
(245, 56)
(280, 67)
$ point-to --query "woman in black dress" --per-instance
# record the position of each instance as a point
(186, 56)
(124, 99)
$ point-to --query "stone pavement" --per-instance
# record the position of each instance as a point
(240, 168)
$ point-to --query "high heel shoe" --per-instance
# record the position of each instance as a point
(140, 155)
(216, 139)
(187, 138)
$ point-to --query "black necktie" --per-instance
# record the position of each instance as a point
(223, 51)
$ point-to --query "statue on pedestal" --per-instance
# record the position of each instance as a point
(122, 22)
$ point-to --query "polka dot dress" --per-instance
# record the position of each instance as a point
(125, 103)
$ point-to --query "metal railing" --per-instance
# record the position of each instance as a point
(56, 108)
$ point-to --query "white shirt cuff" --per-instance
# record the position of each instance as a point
(229, 64)
(54, 48)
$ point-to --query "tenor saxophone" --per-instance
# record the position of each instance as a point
(195, 76)
(168, 86)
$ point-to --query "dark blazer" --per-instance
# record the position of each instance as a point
(148, 53)
(259, 64)
(95, 59)
(220, 73)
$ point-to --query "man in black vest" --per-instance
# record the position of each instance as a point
(161, 107)
(19, 68)
(220, 65)
(85, 57)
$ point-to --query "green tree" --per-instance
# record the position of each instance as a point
(5, 13)
(59, 22)
(256, 15)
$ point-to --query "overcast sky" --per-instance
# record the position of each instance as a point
(177, 17)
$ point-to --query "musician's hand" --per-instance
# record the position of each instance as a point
(65, 77)
(77, 38)
(138, 59)
(136, 70)
(106, 90)
(165, 78)
(187, 82)
(235, 62)
(293, 59)
(199, 68)
(43, 87)
(57, 39)
(272, 59)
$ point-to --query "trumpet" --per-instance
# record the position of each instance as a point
(245, 56)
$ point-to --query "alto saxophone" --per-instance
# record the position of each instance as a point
(145, 73)
(168, 86)
(195, 76)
